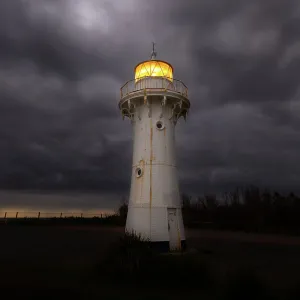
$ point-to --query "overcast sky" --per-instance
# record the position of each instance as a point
(62, 63)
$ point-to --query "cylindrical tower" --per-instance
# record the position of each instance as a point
(154, 101)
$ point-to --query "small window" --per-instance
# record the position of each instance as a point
(138, 172)
(160, 125)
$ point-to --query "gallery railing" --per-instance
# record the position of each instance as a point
(154, 83)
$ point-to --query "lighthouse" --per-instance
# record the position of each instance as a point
(154, 101)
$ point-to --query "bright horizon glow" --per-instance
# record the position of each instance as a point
(153, 68)
(52, 204)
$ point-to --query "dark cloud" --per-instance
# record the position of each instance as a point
(62, 64)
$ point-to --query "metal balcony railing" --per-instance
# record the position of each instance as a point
(154, 83)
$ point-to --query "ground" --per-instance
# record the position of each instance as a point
(55, 262)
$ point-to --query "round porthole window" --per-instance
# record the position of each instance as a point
(138, 172)
(160, 125)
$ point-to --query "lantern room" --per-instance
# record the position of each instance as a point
(153, 68)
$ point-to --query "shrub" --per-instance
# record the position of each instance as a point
(132, 261)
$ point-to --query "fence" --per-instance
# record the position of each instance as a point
(50, 215)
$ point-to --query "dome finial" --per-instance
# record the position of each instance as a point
(154, 53)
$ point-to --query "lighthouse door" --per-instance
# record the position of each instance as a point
(174, 236)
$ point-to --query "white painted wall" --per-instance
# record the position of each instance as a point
(157, 188)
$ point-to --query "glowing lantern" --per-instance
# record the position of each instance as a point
(153, 68)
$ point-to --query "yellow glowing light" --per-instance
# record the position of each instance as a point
(153, 68)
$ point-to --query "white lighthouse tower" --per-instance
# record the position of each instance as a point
(154, 101)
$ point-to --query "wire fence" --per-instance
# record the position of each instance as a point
(50, 215)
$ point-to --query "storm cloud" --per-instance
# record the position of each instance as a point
(62, 64)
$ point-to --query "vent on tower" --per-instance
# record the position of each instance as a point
(138, 172)
(160, 125)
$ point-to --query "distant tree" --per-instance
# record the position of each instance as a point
(278, 200)
(232, 198)
(123, 208)
(266, 198)
(295, 200)
(185, 201)
(201, 203)
(211, 201)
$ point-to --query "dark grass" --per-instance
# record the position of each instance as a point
(57, 263)
(131, 263)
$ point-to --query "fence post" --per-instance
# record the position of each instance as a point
(17, 215)
(5, 215)
(60, 215)
(39, 215)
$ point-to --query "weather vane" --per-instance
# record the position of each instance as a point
(154, 53)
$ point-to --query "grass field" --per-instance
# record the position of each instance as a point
(59, 262)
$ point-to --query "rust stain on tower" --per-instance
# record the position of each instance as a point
(151, 154)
